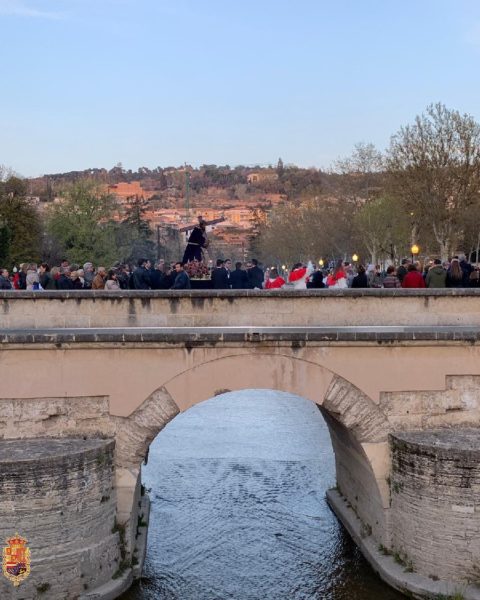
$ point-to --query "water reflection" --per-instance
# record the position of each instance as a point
(238, 507)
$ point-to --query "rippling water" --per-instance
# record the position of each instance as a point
(238, 507)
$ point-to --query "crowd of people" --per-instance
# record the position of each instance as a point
(144, 276)
(457, 272)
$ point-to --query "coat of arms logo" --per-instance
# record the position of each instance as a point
(16, 559)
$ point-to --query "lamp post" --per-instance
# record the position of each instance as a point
(321, 263)
(355, 258)
(414, 250)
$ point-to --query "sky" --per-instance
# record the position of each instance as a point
(91, 83)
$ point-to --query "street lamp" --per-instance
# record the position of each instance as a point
(355, 258)
(414, 250)
(321, 262)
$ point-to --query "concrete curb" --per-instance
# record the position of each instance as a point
(410, 584)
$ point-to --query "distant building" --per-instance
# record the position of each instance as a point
(124, 191)
(262, 176)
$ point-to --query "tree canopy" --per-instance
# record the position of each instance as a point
(134, 234)
(20, 226)
(82, 224)
(434, 167)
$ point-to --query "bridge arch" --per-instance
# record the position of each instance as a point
(358, 428)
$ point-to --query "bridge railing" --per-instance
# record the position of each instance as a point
(249, 308)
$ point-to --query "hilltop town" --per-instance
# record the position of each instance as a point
(234, 200)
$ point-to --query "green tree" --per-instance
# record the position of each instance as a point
(20, 225)
(4, 244)
(82, 224)
(280, 168)
(134, 234)
(435, 171)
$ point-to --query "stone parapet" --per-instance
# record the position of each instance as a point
(223, 308)
(283, 293)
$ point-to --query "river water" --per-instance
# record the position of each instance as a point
(238, 507)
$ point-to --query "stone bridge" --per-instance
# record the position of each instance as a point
(96, 375)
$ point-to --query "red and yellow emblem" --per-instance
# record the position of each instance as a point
(16, 559)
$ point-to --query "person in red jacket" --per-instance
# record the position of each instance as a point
(413, 278)
(274, 281)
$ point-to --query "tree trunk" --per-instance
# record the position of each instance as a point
(444, 239)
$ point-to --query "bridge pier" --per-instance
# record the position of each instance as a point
(431, 546)
(60, 495)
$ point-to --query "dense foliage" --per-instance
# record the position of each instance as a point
(84, 227)
(20, 227)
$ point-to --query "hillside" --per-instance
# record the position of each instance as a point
(174, 196)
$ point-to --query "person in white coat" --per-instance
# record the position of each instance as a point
(299, 275)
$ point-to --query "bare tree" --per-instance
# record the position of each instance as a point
(360, 174)
(435, 171)
(7, 173)
(315, 229)
(383, 229)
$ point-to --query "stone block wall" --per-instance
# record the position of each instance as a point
(356, 481)
(59, 494)
(220, 308)
(435, 505)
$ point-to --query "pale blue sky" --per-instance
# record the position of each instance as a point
(89, 83)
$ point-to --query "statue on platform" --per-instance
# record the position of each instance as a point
(196, 242)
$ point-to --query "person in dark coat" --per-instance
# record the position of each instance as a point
(255, 275)
(46, 280)
(122, 276)
(455, 274)
(239, 278)
(316, 280)
(141, 276)
(196, 241)
(360, 280)
(5, 283)
(64, 281)
(220, 276)
(157, 276)
(169, 278)
(467, 269)
(402, 269)
(77, 283)
(22, 277)
(475, 278)
(182, 280)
